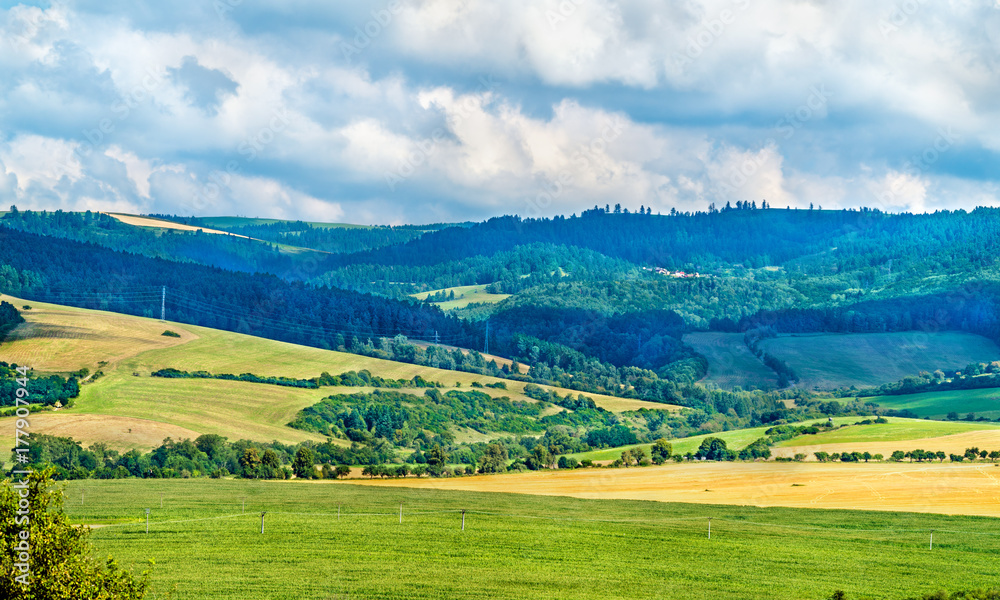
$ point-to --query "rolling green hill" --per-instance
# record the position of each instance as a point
(828, 361)
(897, 430)
(937, 405)
(58, 339)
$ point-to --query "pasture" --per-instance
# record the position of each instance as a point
(464, 296)
(829, 361)
(736, 439)
(936, 405)
(896, 430)
(517, 546)
(730, 362)
(898, 434)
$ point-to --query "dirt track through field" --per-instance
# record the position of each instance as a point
(967, 489)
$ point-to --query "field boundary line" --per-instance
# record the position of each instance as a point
(628, 522)
(174, 521)
(847, 530)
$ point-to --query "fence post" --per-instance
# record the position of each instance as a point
(710, 528)
(463, 519)
(147, 521)
(262, 522)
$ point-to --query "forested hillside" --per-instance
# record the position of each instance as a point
(596, 302)
(90, 276)
(325, 238)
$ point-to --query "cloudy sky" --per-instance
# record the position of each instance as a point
(443, 110)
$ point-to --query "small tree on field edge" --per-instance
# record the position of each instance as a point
(60, 553)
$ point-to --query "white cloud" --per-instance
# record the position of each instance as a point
(42, 161)
(694, 90)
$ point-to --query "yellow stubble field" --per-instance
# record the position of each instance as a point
(966, 488)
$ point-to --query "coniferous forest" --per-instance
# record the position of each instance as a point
(596, 302)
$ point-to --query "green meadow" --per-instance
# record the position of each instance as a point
(514, 546)
(937, 405)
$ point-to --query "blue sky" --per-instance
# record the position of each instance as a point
(446, 110)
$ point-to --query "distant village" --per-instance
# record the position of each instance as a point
(669, 273)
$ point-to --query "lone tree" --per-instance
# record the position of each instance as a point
(303, 463)
(60, 553)
(661, 451)
(713, 448)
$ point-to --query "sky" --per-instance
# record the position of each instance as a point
(430, 111)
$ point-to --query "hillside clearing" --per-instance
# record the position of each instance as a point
(154, 223)
(829, 361)
(464, 296)
(896, 430)
(138, 221)
(730, 362)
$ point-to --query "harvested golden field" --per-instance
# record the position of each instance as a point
(62, 339)
(967, 489)
(120, 433)
(161, 224)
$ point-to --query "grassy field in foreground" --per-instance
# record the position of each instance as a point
(730, 362)
(464, 296)
(985, 403)
(516, 546)
(829, 361)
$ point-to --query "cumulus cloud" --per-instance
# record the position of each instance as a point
(456, 109)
